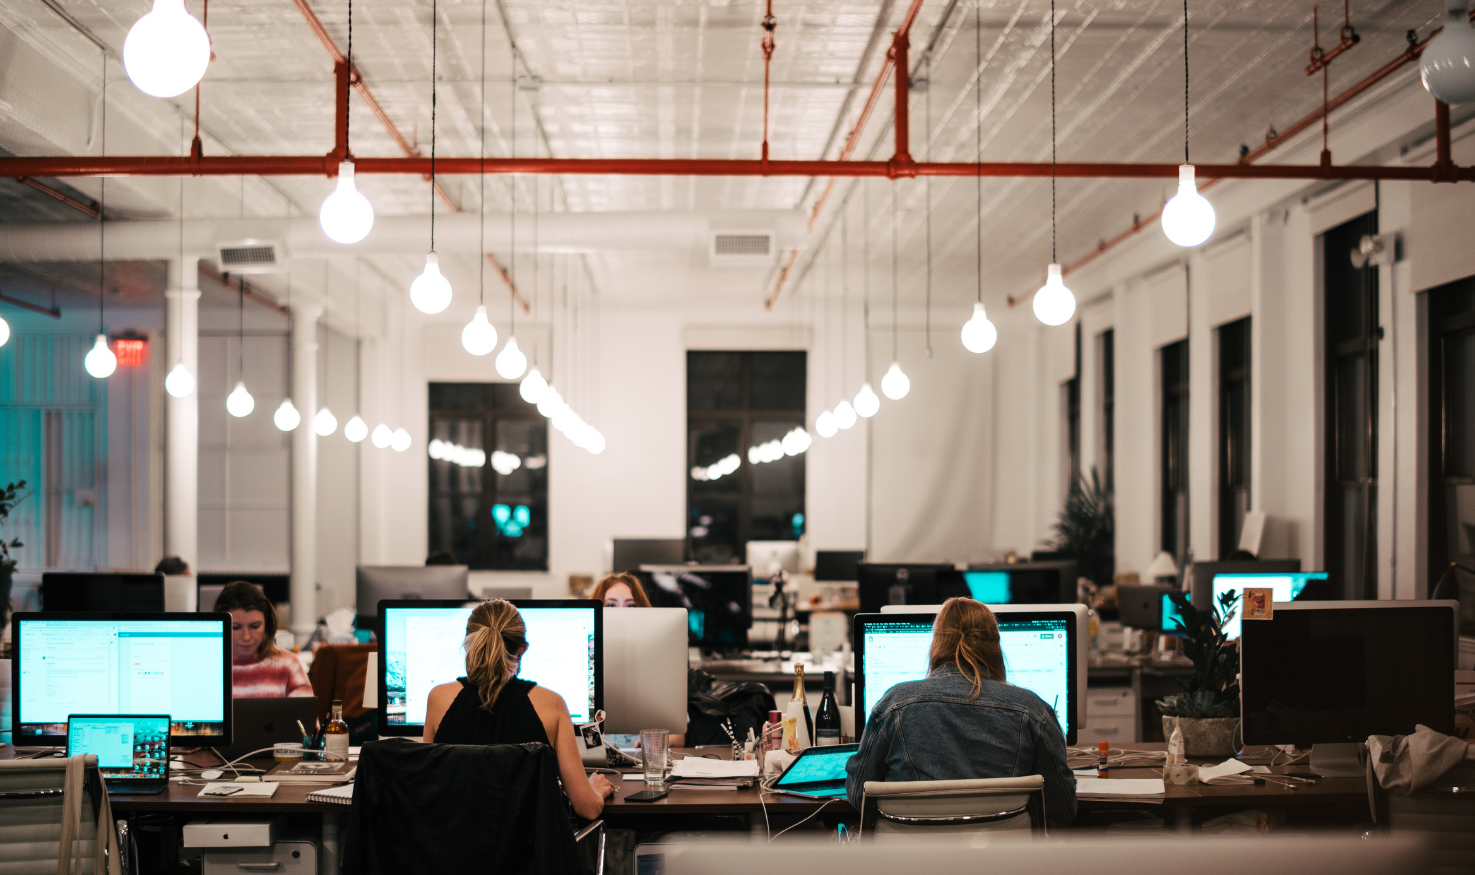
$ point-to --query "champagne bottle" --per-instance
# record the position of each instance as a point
(798, 699)
(827, 718)
(335, 735)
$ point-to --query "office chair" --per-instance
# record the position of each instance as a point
(54, 810)
(1443, 817)
(902, 809)
(339, 671)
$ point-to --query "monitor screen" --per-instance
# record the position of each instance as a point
(1171, 616)
(376, 583)
(628, 554)
(125, 746)
(1038, 655)
(718, 600)
(1285, 587)
(122, 664)
(989, 587)
(422, 647)
(64, 591)
(907, 583)
(837, 565)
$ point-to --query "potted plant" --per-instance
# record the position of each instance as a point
(1086, 531)
(8, 500)
(1207, 711)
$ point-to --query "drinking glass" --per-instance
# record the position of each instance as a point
(653, 746)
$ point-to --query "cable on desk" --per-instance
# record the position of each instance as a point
(763, 787)
(1080, 758)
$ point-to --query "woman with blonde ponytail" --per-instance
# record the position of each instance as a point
(491, 705)
(965, 720)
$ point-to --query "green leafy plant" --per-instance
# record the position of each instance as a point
(1213, 689)
(1086, 531)
(10, 496)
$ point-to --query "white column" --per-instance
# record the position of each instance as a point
(304, 471)
(182, 441)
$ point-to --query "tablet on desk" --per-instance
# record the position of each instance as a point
(817, 773)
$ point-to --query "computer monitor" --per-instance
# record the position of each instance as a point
(1140, 606)
(645, 660)
(718, 600)
(766, 557)
(907, 583)
(421, 645)
(1041, 653)
(1288, 587)
(121, 663)
(838, 565)
(629, 554)
(1170, 616)
(1028, 583)
(378, 583)
(72, 592)
(1201, 575)
(276, 586)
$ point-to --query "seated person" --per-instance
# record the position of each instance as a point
(621, 590)
(965, 720)
(259, 668)
(491, 705)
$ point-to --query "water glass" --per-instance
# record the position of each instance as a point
(654, 744)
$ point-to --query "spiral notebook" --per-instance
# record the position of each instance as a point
(340, 795)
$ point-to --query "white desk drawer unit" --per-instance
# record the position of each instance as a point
(1110, 729)
(1110, 702)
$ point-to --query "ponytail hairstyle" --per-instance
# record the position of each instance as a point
(495, 638)
(965, 634)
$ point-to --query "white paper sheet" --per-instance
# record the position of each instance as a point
(700, 767)
(1228, 767)
(1098, 787)
(264, 789)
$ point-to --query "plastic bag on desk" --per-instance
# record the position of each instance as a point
(710, 703)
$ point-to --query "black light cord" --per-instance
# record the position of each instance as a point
(481, 240)
(893, 272)
(347, 88)
(241, 345)
(434, 33)
(978, 134)
(102, 202)
(1185, 82)
(927, 124)
(512, 152)
(1053, 257)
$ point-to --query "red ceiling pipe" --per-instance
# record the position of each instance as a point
(341, 78)
(61, 196)
(901, 160)
(1348, 36)
(1444, 165)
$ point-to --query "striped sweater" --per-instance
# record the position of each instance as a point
(275, 677)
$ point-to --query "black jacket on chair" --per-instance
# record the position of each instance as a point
(443, 808)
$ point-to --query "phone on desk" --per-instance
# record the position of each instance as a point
(646, 796)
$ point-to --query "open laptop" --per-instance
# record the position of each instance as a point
(817, 773)
(261, 723)
(132, 750)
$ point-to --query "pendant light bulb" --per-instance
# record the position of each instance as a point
(100, 363)
(1054, 304)
(510, 361)
(824, 424)
(180, 381)
(1188, 218)
(844, 414)
(895, 385)
(479, 337)
(430, 292)
(167, 50)
(1447, 64)
(4, 331)
(239, 402)
(346, 215)
(866, 401)
(533, 386)
(325, 423)
(550, 402)
(356, 429)
(382, 436)
(400, 441)
(979, 334)
(286, 418)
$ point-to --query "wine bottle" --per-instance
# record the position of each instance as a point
(827, 718)
(798, 699)
(335, 735)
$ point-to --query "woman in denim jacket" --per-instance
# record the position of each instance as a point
(964, 721)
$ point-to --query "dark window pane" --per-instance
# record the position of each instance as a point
(778, 381)
(1459, 405)
(715, 459)
(784, 475)
(714, 381)
(714, 530)
(778, 518)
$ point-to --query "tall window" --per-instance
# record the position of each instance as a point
(1234, 433)
(1350, 512)
(735, 402)
(1174, 462)
(488, 477)
(1106, 350)
(1452, 437)
(1073, 418)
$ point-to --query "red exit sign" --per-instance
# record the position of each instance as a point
(130, 352)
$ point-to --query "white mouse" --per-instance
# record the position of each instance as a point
(211, 774)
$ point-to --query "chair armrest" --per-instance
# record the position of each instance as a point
(588, 829)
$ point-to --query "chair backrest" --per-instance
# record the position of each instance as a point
(339, 672)
(1442, 816)
(50, 814)
(965, 806)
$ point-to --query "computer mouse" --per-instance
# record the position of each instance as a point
(211, 774)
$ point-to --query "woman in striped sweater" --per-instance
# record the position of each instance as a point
(259, 669)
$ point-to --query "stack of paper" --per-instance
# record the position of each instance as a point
(1120, 789)
(701, 767)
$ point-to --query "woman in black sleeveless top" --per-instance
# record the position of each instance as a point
(492, 706)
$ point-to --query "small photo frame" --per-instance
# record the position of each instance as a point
(592, 736)
(1259, 603)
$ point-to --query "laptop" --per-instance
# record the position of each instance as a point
(132, 750)
(817, 773)
(260, 723)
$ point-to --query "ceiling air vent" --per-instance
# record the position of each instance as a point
(742, 247)
(251, 256)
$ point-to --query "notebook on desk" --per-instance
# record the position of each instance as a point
(817, 773)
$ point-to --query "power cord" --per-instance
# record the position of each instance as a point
(765, 786)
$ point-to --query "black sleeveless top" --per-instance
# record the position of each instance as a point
(512, 719)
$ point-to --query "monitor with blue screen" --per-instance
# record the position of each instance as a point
(1039, 654)
(122, 663)
(818, 772)
(127, 747)
(420, 647)
(1172, 616)
(1285, 587)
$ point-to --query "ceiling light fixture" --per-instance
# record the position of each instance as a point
(479, 337)
(533, 386)
(1188, 218)
(825, 425)
(844, 414)
(867, 403)
(100, 361)
(979, 334)
(895, 384)
(1054, 304)
(325, 423)
(431, 292)
(346, 215)
(1447, 65)
(4, 331)
(167, 50)
(511, 361)
(400, 441)
(382, 436)
(356, 429)
(239, 402)
(286, 418)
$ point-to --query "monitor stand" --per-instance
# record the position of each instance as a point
(1341, 760)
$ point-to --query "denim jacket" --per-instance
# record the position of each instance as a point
(932, 730)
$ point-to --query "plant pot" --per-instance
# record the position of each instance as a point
(1204, 736)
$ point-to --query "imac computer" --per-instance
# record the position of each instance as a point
(645, 669)
(1327, 675)
(1170, 617)
(1287, 587)
(907, 583)
(1202, 574)
(1140, 605)
(1042, 648)
(768, 557)
(65, 591)
(837, 565)
(421, 645)
(122, 663)
(1023, 583)
(628, 554)
(718, 600)
(379, 583)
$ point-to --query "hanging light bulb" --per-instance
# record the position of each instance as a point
(979, 334)
(4, 331)
(167, 50)
(356, 429)
(1188, 218)
(100, 363)
(479, 336)
(325, 423)
(382, 436)
(510, 361)
(844, 414)
(866, 401)
(533, 386)
(286, 418)
(895, 385)
(550, 402)
(401, 440)
(239, 402)
(1447, 65)
(346, 215)
(431, 292)
(824, 424)
(1054, 304)
(180, 382)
